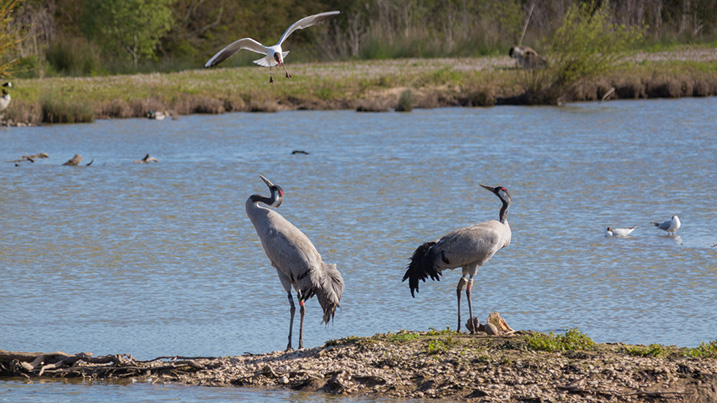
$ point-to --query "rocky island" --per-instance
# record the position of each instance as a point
(519, 366)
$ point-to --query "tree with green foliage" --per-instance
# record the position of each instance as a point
(8, 37)
(133, 26)
(587, 44)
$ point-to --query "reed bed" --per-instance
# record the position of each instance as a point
(366, 85)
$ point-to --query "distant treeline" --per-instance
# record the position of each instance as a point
(96, 37)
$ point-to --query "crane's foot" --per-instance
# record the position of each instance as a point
(288, 75)
(289, 348)
(472, 325)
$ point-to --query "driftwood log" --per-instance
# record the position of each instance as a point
(30, 158)
(74, 161)
(84, 365)
(146, 160)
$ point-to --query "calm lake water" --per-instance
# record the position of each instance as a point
(160, 259)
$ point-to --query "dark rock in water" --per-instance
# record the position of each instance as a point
(74, 161)
(299, 152)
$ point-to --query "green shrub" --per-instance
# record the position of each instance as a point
(587, 44)
(705, 350)
(405, 102)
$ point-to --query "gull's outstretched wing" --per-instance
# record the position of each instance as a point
(307, 22)
(244, 43)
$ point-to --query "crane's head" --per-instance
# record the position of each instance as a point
(278, 58)
(277, 193)
(499, 191)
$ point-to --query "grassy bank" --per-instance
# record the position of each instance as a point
(364, 85)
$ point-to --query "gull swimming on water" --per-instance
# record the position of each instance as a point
(610, 231)
(671, 225)
(274, 55)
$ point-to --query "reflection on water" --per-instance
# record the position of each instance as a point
(161, 259)
(89, 391)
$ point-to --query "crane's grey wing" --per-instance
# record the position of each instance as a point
(474, 244)
(306, 22)
(244, 43)
(289, 249)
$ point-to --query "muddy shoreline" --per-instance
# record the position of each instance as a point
(437, 365)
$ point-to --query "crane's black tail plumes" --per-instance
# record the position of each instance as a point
(328, 286)
(421, 267)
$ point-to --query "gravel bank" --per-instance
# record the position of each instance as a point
(439, 365)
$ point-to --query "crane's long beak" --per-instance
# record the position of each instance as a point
(267, 181)
(488, 188)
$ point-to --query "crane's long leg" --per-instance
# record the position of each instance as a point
(459, 290)
(470, 305)
(302, 310)
(271, 79)
(291, 321)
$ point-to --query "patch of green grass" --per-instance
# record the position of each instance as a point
(572, 340)
(446, 75)
(343, 341)
(327, 85)
(653, 350)
(704, 350)
(436, 346)
(60, 109)
(435, 332)
(403, 336)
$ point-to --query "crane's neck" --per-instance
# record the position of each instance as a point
(504, 212)
(261, 199)
(277, 196)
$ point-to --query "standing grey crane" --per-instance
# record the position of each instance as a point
(468, 248)
(295, 259)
